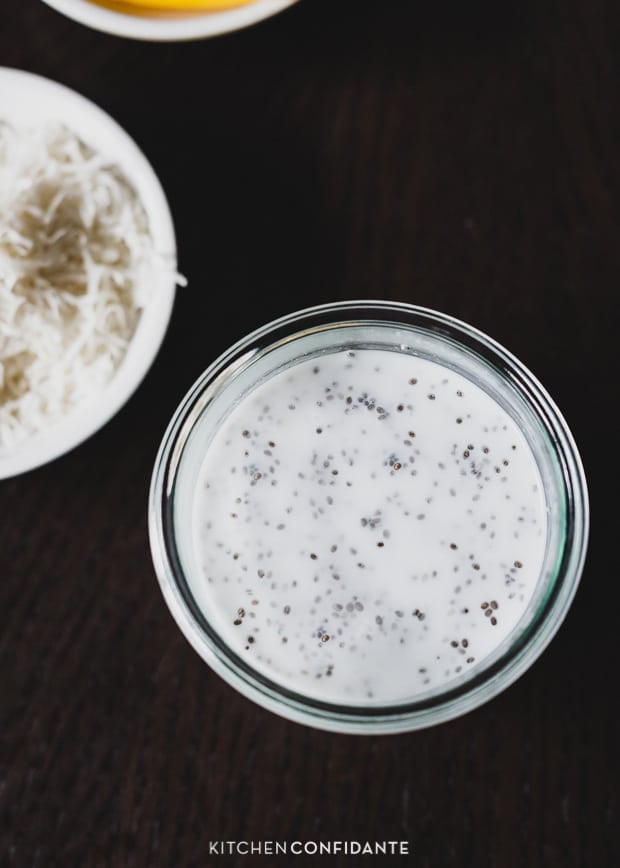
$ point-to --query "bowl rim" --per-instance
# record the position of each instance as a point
(153, 29)
(449, 704)
(31, 98)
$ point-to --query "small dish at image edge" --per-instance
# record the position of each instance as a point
(27, 99)
(153, 28)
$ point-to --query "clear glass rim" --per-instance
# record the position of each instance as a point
(451, 702)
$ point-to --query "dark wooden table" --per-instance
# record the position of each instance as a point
(463, 156)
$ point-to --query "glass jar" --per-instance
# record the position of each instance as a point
(353, 326)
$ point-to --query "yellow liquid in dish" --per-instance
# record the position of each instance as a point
(170, 7)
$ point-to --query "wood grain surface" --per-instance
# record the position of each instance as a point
(462, 156)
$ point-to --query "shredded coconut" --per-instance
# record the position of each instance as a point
(77, 262)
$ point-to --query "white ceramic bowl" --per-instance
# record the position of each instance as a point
(168, 29)
(31, 99)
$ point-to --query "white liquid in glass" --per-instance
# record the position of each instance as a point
(368, 525)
